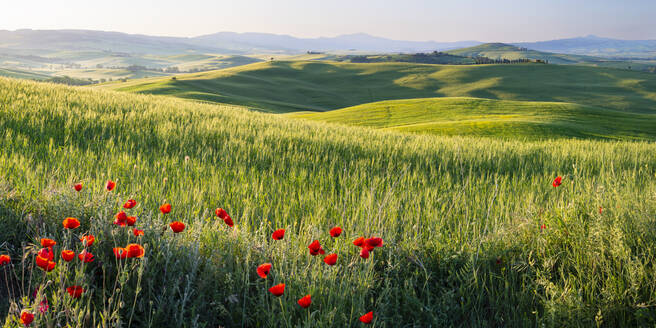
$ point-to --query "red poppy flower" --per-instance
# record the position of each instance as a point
(278, 289)
(228, 221)
(374, 242)
(542, 227)
(120, 253)
(315, 248)
(26, 318)
(45, 264)
(67, 255)
(359, 242)
(330, 259)
(367, 318)
(137, 232)
(263, 270)
(121, 219)
(305, 301)
(131, 221)
(110, 185)
(47, 253)
(45, 242)
(165, 209)
(335, 232)
(85, 256)
(177, 226)
(71, 223)
(4, 260)
(278, 234)
(135, 250)
(130, 204)
(557, 181)
(364, 253)
(601, 210)
(75, 291)
(78, 186)
(221, 213)
(88, 240)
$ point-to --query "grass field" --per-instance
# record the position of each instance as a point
(19, 74)
(474, 233)
(287, 86)
(494, 118)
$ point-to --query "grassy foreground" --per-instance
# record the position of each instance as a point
(494, 118)
(288, 86)
(461, 218)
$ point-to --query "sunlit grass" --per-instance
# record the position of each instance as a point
(460, 216)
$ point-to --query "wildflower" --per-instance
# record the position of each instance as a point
(601, 210)
(359, 241)
(131, 221)
(85, 256)
(130, 204)
(367, 318)
(45, 264)
(78, 186)
(87, 240)
(45, 242)
(47, 253)
(75, 291)
(135, 250)
(43, 306)
(137, 232)
(263, 270)
(557, 181)
(26, 318)
(315, 248)
(221, 213)
(229, 222)
(364, 253)
(165, 209)
(374, 242)
(67, 255)
(177, 226)
(330, 259)
(120, 253)
(278, 234)
(71, 223)
(121, 219)
(499, 260)
(335, 232)
(4, 260)
(110, 185)
(542, 227)
(277, 290)
(305, 301)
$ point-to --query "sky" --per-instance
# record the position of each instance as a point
(419, 20)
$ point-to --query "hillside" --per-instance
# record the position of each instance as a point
(474, 233)
(597, 46)
(284, 86)
(19, 74)
(494, 118)
(511, 52)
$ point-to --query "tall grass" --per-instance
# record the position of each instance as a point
(460, 217)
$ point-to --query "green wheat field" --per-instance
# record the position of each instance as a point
(474, 232)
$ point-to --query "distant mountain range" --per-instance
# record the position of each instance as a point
(44, 42)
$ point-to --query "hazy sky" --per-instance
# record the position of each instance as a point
(452, 20)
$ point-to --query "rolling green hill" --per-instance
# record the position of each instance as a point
(20, 74)
(497, 118)
(321, 86)
(474, 233)
(511, 52)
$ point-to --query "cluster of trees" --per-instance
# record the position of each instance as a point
(486, 60)
(437, 57)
